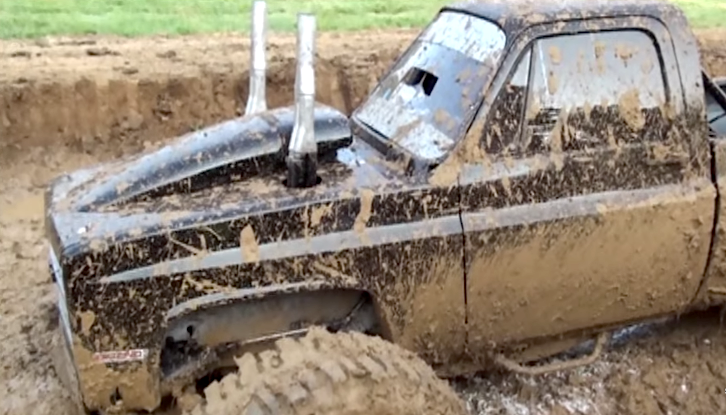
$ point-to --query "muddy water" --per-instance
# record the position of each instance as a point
(66, 103)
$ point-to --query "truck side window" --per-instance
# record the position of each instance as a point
(505, 120)
(593, 90)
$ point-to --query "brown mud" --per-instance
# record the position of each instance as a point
(69, 102)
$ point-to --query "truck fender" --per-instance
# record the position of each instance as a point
(248, 314)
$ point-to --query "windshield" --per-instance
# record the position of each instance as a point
(423, 102)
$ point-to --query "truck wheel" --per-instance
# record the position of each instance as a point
(324, 373)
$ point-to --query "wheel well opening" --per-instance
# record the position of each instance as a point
(200, 346)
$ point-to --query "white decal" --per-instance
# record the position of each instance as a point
(121, 356)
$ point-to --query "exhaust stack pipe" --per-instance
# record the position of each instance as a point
(257, 99)
(303, 151)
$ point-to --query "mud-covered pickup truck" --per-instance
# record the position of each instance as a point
(526, 177)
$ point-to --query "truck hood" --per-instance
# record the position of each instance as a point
(205, 151)
(228, 171)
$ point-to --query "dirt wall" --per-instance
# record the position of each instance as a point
(83, 92)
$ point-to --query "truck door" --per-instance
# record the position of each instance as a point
(591, 207)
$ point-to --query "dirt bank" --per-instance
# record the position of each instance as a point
(66, 103)
(81, 92)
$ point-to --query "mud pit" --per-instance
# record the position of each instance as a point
(65, 103)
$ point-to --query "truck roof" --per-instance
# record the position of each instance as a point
(516, 15)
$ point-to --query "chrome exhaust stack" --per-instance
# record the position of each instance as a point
(302, 156)
(257, 99)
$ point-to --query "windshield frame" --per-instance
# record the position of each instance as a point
(487, 54)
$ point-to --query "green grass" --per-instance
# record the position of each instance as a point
(705, 13)
(34, 18)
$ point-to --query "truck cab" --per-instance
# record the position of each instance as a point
(585, 176)
(576, 136)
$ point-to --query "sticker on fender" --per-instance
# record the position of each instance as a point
(121, 356)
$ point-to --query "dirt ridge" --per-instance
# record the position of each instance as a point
(80, 92)
(83, 92)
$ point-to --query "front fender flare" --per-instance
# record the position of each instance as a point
(246, 314)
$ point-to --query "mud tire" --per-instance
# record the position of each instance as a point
(325, 374)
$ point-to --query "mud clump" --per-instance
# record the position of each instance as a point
(367, 375)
